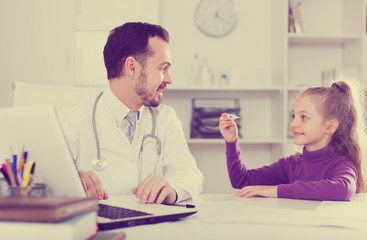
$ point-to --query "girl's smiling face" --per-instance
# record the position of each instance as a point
(308, 126)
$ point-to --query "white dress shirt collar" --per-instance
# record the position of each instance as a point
(118, 109)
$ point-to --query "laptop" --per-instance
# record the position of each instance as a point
(39, 130)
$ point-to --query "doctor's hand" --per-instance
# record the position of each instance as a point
(155, 189)
(256, 191)
(228, 128)
(92, 185)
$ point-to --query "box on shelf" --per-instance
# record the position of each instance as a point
(338, 74)
(206, 113)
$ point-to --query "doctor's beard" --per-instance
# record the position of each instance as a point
(149, 98)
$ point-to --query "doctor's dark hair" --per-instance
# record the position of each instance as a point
(130, 39)
(345, 102)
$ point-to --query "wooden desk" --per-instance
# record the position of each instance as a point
(222, 216)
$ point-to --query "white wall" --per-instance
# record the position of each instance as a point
(244, 51)
(38, 44)
(245, 54)
(31, 48)
(53, 42)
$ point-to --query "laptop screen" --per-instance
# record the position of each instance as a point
(38, 129)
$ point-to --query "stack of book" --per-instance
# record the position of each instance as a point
(48, 217)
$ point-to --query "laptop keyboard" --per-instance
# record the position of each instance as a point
(113, 212)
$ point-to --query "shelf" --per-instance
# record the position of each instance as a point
(241, 141)
(319, 38)
(257, 88)
(298, 88)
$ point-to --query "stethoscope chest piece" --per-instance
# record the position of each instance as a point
(99, 164)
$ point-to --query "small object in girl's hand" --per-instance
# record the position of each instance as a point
(232, 116)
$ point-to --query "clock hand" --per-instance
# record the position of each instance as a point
(220, 18)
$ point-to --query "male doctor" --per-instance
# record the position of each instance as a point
(141, 144)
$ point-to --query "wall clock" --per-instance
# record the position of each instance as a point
(216, 18)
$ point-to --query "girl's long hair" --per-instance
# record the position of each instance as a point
(345, 101)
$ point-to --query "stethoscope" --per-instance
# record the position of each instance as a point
(99, 163)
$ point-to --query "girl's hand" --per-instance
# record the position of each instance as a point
(228, 128)
(263, 191)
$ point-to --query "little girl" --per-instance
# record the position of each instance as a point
(329, 123)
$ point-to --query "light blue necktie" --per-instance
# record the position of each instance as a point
(131, 117)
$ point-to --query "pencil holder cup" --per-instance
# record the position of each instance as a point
(3, 187)
(36, 190)
(18, 191)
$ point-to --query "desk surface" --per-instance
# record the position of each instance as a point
(223, 216)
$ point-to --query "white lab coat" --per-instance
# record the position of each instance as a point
(121, 174)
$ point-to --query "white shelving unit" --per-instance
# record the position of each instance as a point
(336, 40)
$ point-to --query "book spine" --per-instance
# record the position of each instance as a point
(297, 17)
(46, 214)
(66, 212)
(290, 20)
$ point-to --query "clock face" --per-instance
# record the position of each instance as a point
(216, 18)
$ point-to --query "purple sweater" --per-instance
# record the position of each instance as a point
(318, 175)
